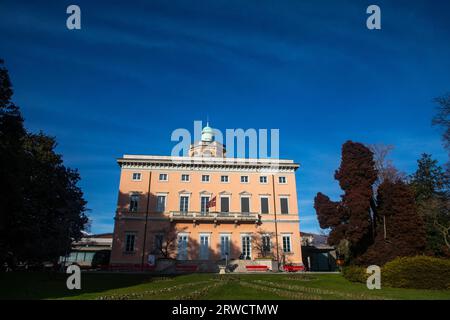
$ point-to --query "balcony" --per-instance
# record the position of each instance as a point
(215, 217)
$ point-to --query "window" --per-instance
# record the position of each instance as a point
(244, 179)
(224, 246)
(89, 256)
(134, 201)
(204, 204)
(136, 176)
(182, 247)
(161, 203)
(205, 178)
(245, 205)
(224, 204)
(286, 244)
(284, 205)
(224, 179)
(163, 177)
(184, 203)
(266, 244)
(159, 241)
(130, 239)
(204, 247)
(80, 257)
(185, 177)
(264, 205)
(72, 257)
(246, 247)
(263, 179)
(282, 180)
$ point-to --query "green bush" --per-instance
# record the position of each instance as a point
(420, 272)
(355, 274)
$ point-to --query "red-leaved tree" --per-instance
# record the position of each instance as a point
(352, 219)
(400, 228)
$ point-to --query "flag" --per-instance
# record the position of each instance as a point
(211, 203)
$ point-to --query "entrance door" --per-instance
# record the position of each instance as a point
(246, 247)
(204, 247)
(182, 247)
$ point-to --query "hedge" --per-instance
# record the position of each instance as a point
(355, 274)
(420, 272)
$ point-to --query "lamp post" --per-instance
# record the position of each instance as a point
(146, 221)
(226, 261)
(340, 261)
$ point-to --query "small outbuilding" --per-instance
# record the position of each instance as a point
(91, 251)
(317, 254)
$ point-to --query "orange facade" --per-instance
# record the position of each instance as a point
(165, 209)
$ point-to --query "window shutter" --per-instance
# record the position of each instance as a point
(284, 205)
(264, 205)
(245, 206)
(224, 204)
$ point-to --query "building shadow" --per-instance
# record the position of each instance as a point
(52, 285)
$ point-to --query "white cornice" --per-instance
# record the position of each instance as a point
(205, 159)
(206, 164)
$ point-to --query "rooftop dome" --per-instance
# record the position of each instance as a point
(207, 133)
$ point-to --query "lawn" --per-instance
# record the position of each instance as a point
(200, 286)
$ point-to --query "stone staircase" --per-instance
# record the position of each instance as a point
(175, 266)
(235, 265)
(240, 265)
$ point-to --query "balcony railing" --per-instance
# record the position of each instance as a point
(216, 217)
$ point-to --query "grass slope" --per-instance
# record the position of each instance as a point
(200, 286)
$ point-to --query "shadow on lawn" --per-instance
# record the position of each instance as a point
(42, 285)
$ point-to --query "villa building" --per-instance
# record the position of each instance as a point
(206, 207)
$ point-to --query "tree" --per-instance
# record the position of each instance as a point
(442, 118)
(431, 188)
(265, 245)
(352, 219)
(168, 243)
(371, 229)
(384, 166)
(403, 234)
(12, 133)
(331, 215)
(386, 172)
(43, 209)
(429, 178)
(54, 200)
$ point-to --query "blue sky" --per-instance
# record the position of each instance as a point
(137, 70)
